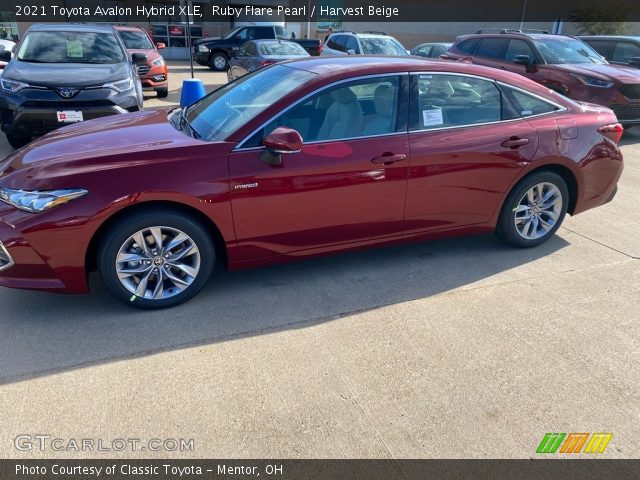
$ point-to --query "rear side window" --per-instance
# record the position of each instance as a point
(251, 49)
(518, 47)
(526, 104)
(456, 101)
(468, 46)
(492, 48)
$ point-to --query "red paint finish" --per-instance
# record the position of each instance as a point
(334, 195)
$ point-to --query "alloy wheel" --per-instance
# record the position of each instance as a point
(158, 262)
(538, 211)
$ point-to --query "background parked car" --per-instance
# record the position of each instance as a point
(41, 91)
(260, 53)
(431, 50)
(619, 50)
(153, 71)
(7, 46)
(216, 52)
(368, 43)
(561, 63)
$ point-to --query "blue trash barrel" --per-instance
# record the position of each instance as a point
(192, 90)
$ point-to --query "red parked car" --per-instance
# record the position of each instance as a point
(564, 64)
(153, 72)
(295, 160)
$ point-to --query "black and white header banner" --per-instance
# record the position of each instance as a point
(319, 10)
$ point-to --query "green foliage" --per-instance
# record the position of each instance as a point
(607, 19)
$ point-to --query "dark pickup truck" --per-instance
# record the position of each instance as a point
(216, 52)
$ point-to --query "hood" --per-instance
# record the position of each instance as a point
(205, 40)
(90, 145)
(604, 72)
(57, 74)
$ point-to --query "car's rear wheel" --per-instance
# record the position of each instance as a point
(218, 62)
(156, 260)
(533, 210)
(17, 141)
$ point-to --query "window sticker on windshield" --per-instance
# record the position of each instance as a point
(74, 49)
(426, 77)
(432, 117)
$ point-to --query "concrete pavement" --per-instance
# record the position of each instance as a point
(456, 348)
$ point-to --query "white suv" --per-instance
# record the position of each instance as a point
(367, 43)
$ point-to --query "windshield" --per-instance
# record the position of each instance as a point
(567, 50)
(232, 32)
(381, 46)
(225, 110)
(282, 48)
(70, 47)
(135, 40)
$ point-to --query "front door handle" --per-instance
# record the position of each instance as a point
(515, 142)
(389, 158)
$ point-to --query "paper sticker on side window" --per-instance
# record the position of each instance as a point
(432, 117)
(74, 49)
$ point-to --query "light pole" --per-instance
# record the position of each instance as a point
(524, 8)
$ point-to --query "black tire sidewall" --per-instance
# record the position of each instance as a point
(162, 92)
(17, 141)
(122, 230)
(506, 229)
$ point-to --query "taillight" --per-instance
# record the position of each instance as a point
(613, 132)
(320, 47)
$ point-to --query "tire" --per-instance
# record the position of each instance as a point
(523, 222)
(162, 92)
(17, 141)
(177, 285)
(218, 62)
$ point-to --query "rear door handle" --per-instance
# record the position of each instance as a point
(389, 158)
(515, 142)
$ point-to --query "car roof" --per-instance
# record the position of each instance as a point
(512, 35)
(433, 43)
(70, 27)
(129, 28)
(634, 38)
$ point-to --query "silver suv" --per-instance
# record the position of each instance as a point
(367, 43)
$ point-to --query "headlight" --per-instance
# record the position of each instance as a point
(158, 62)
(12, 85)
(38, 201)
(593, 82)
(203, 48)
(120, 85)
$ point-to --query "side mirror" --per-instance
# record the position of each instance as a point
(282, 140)
(522, 60)
(5, 55)
(138, 58)
(351, 51)
(635, 62)
(160, 45)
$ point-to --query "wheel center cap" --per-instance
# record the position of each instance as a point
(158, 261)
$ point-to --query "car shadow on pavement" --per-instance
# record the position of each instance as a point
(45, 333)
(631, 136)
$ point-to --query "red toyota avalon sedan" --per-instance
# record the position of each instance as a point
(295, 160)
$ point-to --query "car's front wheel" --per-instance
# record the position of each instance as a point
(533, 210)
(218, 62)
(156, 260)
(162, 92)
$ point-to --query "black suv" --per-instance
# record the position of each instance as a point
(62, 74)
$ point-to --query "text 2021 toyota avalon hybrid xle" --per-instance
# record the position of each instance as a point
(299, 159)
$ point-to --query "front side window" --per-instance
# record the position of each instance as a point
(352, 44)
(468, 46)
(456, 101)
(625, 51)
(70, 47)
(567, 50)
(228, 108)
(528, 105)
(360, 108)
(337, 42)
(518, 47)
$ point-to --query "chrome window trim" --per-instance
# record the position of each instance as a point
(239, 147)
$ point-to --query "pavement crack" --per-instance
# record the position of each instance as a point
(601, 243)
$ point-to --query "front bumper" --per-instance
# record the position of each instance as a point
(155, 78)
(201, 58)
(32, 112)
